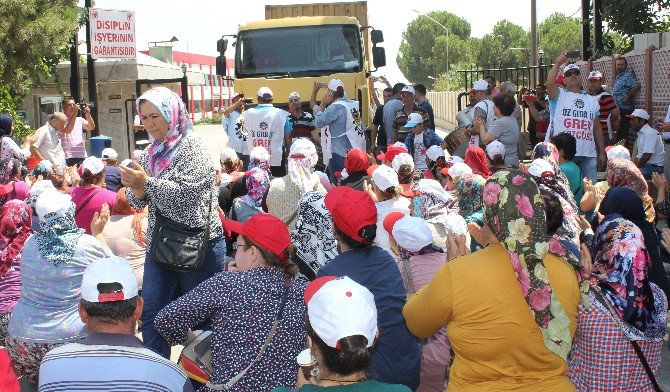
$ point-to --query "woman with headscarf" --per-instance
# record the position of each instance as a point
(387, 194)
(621, 172)
(549, 152)
(626, 309)
(469, 188)
(175, 178)
(9, 147)
(52, 264)
(285, 192)
(627, 203)
(356, 164)
(125, 234)
(259, 157)
(15, 228)
(232, 179)
(475, 157)
(522, 300)
(438, 208)
(244, 207)
(11, 185)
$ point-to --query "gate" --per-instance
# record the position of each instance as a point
(520, 76)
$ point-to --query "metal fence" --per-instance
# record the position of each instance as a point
(527, 77)
(445, 106)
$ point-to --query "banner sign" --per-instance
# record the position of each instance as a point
(112, 34)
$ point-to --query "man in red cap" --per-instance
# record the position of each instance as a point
(397, 357)
(356, 163)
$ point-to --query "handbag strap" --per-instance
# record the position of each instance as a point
(268, 339)
(82, 205)
(636, 346)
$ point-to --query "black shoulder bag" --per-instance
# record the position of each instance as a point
(178, 247)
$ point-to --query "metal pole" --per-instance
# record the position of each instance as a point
(90, 69)
(586, 31)
(74, 69)
(597, 27)
(533, 38)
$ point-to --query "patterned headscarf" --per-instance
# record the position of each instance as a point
(515, 212)
(9, 168)
(58, 236)
(620, 269)
(301, 164)
(170, 105)
(475, 157)
(5, 125)
(622, 172)
(313, 235)
(259, 157)
(15, 228)
(469, 189)
(257, 182)
(549, 153)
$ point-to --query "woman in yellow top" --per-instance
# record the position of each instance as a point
(511, 308)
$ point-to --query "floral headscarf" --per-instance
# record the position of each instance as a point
(301, 165)
(469, 189)
(515, 212)
(475, 157)
(9, 168)
(58, 236)
(257, 182)
(620, 269)
(15, 228)
(170, 105)
(549, 153)
(259, 157)
(622, 172)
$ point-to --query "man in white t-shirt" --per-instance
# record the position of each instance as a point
(237, 137)
(483, 109)
(649, 157)
(47, 144)
(576, 113)
(71, 137)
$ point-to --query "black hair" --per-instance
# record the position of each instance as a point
(625, 60)
(541, 85)
(110, 312)
(353, 356)
(566, 142)
(264, 100)
(338, 93)
(489, 77)
(397, 88)
(498, 159)
(554, 211)
(388, 90)
(505, 104)
(420, 88)
(368, 233)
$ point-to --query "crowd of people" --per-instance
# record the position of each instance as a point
(321, 257)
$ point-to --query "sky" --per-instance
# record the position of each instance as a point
(199, 23)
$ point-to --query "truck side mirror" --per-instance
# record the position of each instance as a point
(376, 36)
(221, 65)
(378, 57)
(221, 45)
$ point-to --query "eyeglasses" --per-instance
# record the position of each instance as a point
(571, 73)
(237, 246)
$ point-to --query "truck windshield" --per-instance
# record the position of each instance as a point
(295, 51)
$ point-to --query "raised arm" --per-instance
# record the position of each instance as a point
(552, 88)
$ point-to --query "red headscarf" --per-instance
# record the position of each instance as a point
(475, 157)
(15, 228)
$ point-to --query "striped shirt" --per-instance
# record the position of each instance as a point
(73, 142)
(607, 104)
(109, 362)
(299, 126)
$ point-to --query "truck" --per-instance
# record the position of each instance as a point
(298, 45)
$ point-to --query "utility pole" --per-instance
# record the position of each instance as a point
(74, 69)
(586, 31)
(597, 27)
(90, 70)
(533, 39)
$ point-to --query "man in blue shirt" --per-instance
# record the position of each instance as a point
(390, 109)
(625, 87)
(420, 94)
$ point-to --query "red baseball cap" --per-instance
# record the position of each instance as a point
(356, 161)
(390, 153)
(351, 210)
(268, 231)
(391, 219)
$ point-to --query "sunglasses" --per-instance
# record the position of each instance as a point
(571, 73)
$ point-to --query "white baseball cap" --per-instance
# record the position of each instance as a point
(402, 159)
(571, 67)
(433, 187)
(259, 153)
(413, 119)
(52, 204)
(335, 85)
(616, 152)
(434, 152)
(539, 167)
(411, 233)
(93, 164)
(113, 269)
(338, 307)
(294, 95)
(109, 153)
(480, 85)
(385, 177)
(495, 148)
(458, 169)
(263, 91)
(639, 113)
(227, 153)
(302, 148)
(407, 89)
(595, 75)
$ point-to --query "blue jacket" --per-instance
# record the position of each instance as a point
(430, 139)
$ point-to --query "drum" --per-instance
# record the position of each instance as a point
(456, 138)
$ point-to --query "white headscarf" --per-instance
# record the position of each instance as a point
(301, 161)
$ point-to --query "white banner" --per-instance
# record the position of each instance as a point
(112, 34)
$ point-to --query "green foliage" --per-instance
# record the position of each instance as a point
(215, 119)
(7, 106)
(629, 17)
(499, 49)
(557, 34)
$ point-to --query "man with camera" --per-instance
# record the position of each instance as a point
(71, 136)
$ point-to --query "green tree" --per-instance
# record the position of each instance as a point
(505, 46)
(34, 36)
(422, 55)
(629, 17)
(557, 34)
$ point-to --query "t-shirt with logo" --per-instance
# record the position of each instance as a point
(299, 126)
(420, 152)
(574, 113)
